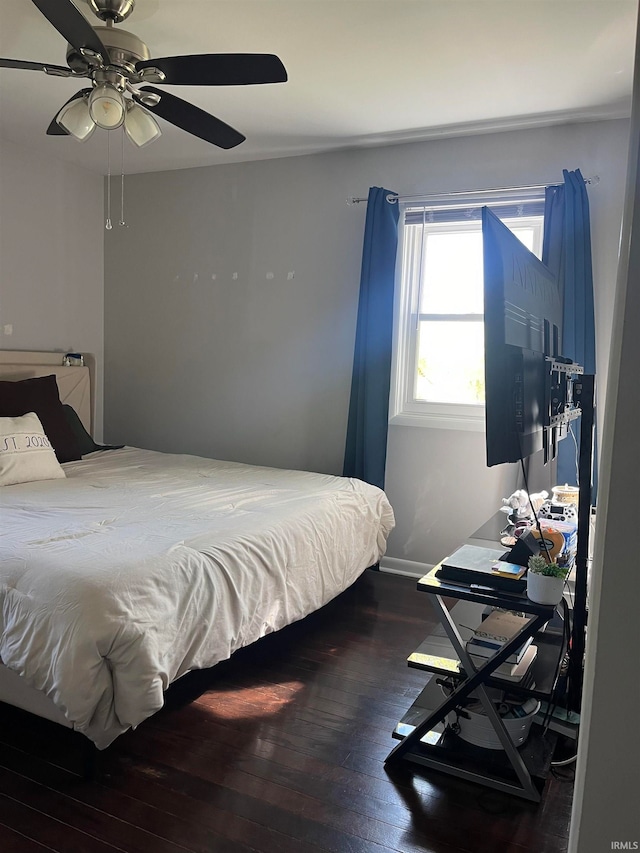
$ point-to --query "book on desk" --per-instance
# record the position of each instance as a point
(512, 671)
(472, 564)
(497, 629)
(477, 648)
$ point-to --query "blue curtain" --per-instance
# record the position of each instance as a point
(566, 251)
(366, 446)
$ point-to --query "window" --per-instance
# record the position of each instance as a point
(438, 377)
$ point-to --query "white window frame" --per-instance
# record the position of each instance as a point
(404, 408)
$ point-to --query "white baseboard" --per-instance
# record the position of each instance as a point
(408, 568)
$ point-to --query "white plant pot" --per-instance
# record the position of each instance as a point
(543, 589)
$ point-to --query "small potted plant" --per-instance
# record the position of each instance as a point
(545, 580)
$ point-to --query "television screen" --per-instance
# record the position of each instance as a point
(522, 326)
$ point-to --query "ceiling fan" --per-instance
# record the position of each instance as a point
(120, 68)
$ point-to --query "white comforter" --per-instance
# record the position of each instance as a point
(141, 566)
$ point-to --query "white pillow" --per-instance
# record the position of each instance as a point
(26, 454)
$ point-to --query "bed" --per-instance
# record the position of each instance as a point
(136, 567)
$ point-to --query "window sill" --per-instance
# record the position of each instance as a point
(468, 423)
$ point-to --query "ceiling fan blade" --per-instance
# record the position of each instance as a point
(56, 70)
(219, 69)
(193, 119)
(72, 25)
(54, 128)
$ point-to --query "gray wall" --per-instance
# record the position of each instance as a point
(258, 369)
(51, 257)
(251, 368)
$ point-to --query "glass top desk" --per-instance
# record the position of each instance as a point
(426, 738)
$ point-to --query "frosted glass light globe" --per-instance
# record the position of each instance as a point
(106, 106)
(75, 119)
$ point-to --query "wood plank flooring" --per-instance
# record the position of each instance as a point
(280, 749)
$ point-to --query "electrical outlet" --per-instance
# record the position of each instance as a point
(8, 329)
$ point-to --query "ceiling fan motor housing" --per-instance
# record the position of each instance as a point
(112, 10)
(125, 49)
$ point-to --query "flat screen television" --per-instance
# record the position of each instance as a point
(522, 327)
(533, 393)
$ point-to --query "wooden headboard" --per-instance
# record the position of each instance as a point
(74, 383)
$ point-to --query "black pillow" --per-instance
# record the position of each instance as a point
(85, 442)
(41, 395)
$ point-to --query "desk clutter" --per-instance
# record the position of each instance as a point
(536, 527)
(551, 522)
(469, 720)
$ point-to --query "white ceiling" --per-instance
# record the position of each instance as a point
(361, 72)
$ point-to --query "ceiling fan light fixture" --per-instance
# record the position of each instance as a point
(140, 127)
(75, 118)
(116, 61)
(107, 106)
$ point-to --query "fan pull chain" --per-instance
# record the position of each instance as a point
(122, 222)
(108, 224)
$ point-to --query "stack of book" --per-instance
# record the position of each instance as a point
(492, 634)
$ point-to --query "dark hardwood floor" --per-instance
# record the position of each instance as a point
(279, 749)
